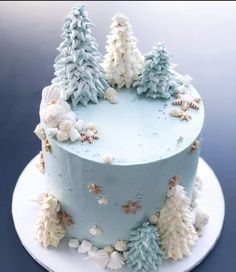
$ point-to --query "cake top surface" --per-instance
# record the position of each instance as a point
(140, 124)
(136, 130)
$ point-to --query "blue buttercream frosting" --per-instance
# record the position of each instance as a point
(78, 66)
(136, 130)
(145, 253)
(157, 79)
(144, 141)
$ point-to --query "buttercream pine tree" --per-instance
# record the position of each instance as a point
(123, 61)
(144, 254)
(78, 70)
(49, 229)
(157, 79)
(175, 225)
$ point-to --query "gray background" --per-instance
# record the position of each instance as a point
(200, 35)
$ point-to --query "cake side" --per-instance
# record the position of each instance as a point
(155, 147)
(69, 176)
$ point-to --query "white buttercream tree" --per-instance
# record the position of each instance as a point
(176, 229)
(49, 229)
(123, 61)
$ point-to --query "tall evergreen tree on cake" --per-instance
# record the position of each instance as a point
(78, 68)
(157, 79)
(144, 253)
(177, 232)
(49, 229)
(123, 61)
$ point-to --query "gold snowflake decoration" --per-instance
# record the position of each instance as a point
(41, 164)
(174, 181)
(186, 101)
(89, 136)
(65, 217)
(131, 206)
(195, 145)
(47, 146)
(178, 113)
(94, 188)
(184, 116)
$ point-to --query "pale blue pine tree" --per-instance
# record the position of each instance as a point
(145, 254)
(78, 69)
(157, 79)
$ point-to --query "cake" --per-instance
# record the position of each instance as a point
(121, 137)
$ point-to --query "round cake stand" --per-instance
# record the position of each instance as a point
(31, 183)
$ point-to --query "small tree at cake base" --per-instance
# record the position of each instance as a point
(49, 229)
(177, 232)
(123, 61)
(145, 254)
(157, 79)
(78, 69)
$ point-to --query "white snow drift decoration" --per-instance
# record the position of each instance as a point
(197, 192)
(80, 125)
(116, 261)
(51, 132)
(62, 136)
(109, 249)
(85, 246)
(200, 214)
(123, 61)
(49, 229)
(53, 109)
(95, 231)
(58, 120)
(66, 125)
(52, 115)
(50, 94)
(121, 245)
(177, 232)
(100, 257)
(201, 220)
(73, 243)
(92, 251)
(106, 257)
(39, 131)
(111, 95)
(186, 80)
(107, 159)
(91, 126)
(102, 201)
(74, 135)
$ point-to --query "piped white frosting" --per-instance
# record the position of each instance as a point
(49, 230)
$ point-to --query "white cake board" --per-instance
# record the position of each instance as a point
(31, 183)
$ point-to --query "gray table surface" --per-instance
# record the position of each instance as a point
(202, 38)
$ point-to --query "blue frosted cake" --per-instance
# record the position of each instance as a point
(120, 147)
